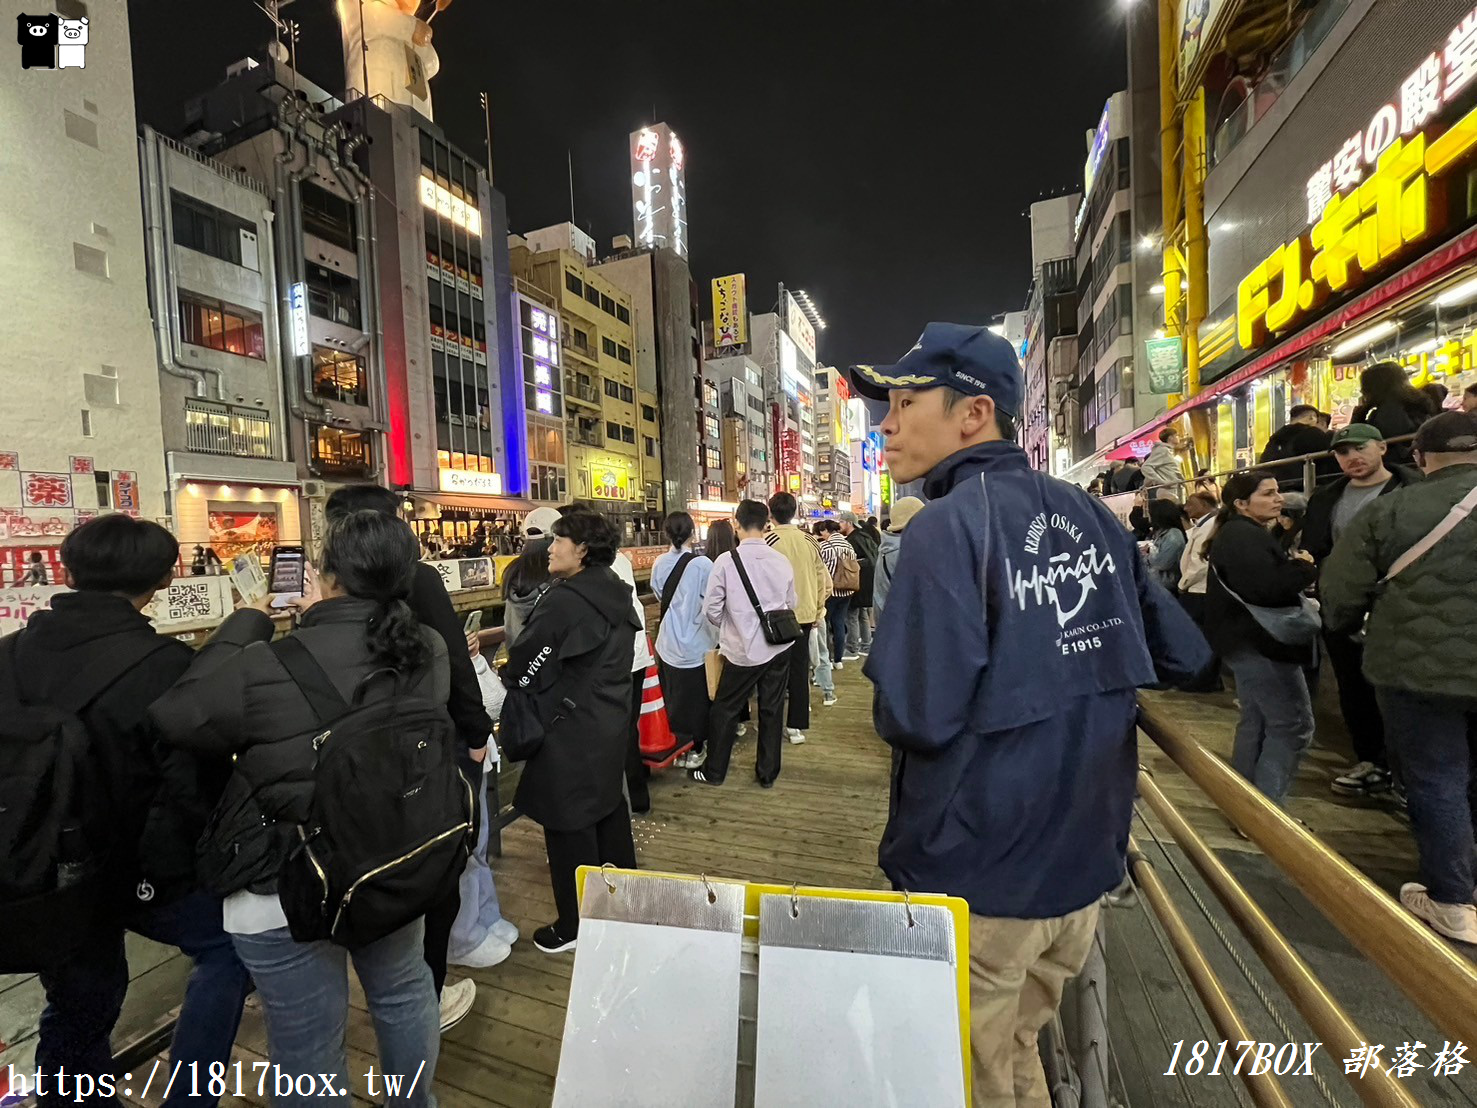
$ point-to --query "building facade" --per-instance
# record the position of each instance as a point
(1051, 312)
(747, 450)
(833, 439)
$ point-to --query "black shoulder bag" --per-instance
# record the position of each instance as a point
(780, 626)
(669, 591)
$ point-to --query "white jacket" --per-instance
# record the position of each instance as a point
(1193, 567)
(642, 657)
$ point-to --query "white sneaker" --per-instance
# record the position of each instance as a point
(489, 952)
(506, 930)
(743, 729)
(456, 1002)
(796, 735)
(850, 657)
(837, 666)
(692, 759)
(829, 701)
(1455, 921)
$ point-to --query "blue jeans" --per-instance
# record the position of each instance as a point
(1433, 743)
(820, 648)
(858, 628)
(836, 609)
(84, 998)
(1276, 721)
(305, 996)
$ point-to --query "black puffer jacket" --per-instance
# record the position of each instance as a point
(572, 667)
(1247, 558)
(237, 700)
(1401, 415)
(1293, 441)
(161, 796)
(1317, 537)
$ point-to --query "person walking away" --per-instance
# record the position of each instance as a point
(1249, 567)
(749, 580)
(1303, 433)
(1406, 563)
(1388, 401)
(1200, 507)
(1360, 451)
(568, 714)
(431, 604)
(680, 578)
(1163, 472)
(1013, 704)
(94, 656)
(859, 615)
(1166, 541)
(812, 587)
(356, 641)
(890, 549)
(846, 575)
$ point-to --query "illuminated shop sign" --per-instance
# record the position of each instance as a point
(1357, 234)
(659, 188)
(297, 311)
(471, 481)
(441, 201)
(1096, 154)
(730, 312)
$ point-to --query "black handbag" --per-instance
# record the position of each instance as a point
(779, 625)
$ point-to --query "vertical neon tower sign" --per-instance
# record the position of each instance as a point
(659, 188)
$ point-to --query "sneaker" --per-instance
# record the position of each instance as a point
(489, 952)
(456, 1002)
(691, 760)
(1455, 921)
(550, 941)
(795, 735)
(506, 930)
(1364, 779)
(837, 666)
(743, 729)
(829, 701)
(703, 779)
(851, 657)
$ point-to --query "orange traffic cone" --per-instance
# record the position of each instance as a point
(659, 747)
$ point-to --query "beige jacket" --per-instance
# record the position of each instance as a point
(812, 580)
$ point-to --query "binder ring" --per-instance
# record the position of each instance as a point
(908, 907)
(795, 901)
(604, 872)
(712, 896)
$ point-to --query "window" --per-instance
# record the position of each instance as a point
(581, 341)
(612, 389)
(607, 305)
(607, 347)
(710, 394)
(329, 216)
(198, 226)
(226, 429)
(333, 295)
(648, 413)
(650, 445)
(713, 460)
(339, 375)
(628, 394)
(624, 353)
(210, 323)
(623, 313)
(592, 295)
(573, 284)
(710, 425)
(339, 450)
(613, 431)
(628, 434)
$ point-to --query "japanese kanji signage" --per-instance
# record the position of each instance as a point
(9, 459)
(730, 312)
(1357, 233)
(1166, 358)
(125, 491)
(46, 490)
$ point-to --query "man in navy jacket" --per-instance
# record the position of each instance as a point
(1019, 624)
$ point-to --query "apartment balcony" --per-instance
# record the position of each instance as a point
(585, 394)
(588, 438)
(228, 430)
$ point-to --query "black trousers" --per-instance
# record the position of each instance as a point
(734, 689)
(798, 712)
(608, 840)
(1209, 680)
(636, 772)
(1357, 700)
(442, 916)
(686, 694)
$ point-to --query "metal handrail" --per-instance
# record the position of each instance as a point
(1441, 984)
(1323, 1013)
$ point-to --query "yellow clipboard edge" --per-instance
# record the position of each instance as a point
(753, 890)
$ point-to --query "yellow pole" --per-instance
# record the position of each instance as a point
(1169, 143)
(1196, 263)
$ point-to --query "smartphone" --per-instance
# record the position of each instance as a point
(246, 575)
(474, 622)
(287, 570)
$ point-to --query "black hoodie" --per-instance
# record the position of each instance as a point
(161, 797)
(1293, 441)
(573, 662)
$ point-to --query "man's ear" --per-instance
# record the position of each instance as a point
(979, 414)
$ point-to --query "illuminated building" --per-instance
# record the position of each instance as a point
(1050, 316)
(1328, 200)
(79, 424)
(832, 438)
(595, 358)
(783, 342)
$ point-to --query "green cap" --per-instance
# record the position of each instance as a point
(1358, 434)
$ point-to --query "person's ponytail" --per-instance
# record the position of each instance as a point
(374, 556)
(395, 638)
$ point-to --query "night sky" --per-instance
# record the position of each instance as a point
(882, 162)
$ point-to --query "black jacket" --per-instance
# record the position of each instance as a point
(432, 606)
(238, 701)
(161, 797)
(572, 662)
(1318, 521)
(1401, 416)
(1293, 441)
(1248, 559)
(866, 554)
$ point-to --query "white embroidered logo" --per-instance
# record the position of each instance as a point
(1067, 580)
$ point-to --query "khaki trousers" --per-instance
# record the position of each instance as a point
(1017, 970)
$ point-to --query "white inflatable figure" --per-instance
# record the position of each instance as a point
(392, 48)
(71, 51)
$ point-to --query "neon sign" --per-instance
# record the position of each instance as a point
(440, 200)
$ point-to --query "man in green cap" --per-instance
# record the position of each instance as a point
(1359, 450)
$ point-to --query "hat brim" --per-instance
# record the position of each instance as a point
(876, 382)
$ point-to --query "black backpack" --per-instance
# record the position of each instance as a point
(390, 825)
(56, 812)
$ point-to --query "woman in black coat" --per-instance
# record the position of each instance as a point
(569, 710)
(1390, 402)
(1248, 566)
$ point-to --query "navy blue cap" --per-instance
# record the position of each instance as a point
(972, 360)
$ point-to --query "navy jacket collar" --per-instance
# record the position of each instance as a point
(984, 457)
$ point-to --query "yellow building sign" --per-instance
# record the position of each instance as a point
(1401, 203)
(730, 311)
(610, 483)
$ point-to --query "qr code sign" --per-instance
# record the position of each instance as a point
(189, 600)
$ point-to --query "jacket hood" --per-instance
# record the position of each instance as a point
(81, 618)
(610, 595)
(891, 540)
(970, 462)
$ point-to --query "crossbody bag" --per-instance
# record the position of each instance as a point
(779, 625)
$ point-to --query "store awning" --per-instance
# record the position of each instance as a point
(482, 503)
